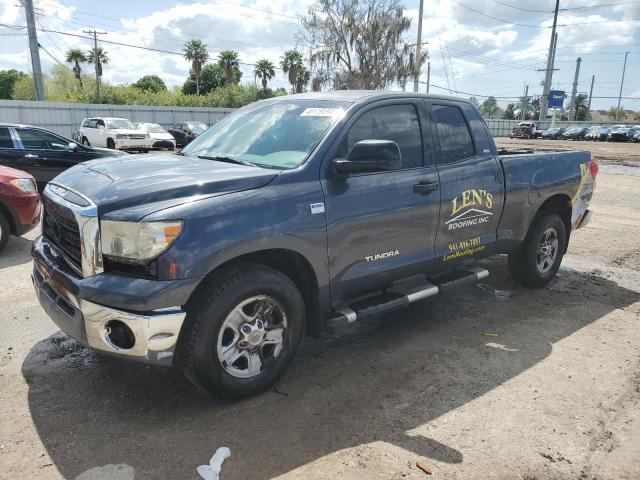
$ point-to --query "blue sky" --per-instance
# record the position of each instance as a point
(470, 51)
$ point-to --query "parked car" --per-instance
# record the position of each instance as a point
(554, 133)
(575, 133)
(292, 214)
(114, 133)
(43, 154)
(19, 202)
(636, 137)
(160, 138)
(599, 134)
(525, 130)
(622, 134)
(185, 132)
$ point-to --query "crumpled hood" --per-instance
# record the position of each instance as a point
(158, 181)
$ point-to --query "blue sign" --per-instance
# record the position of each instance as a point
(556, 99)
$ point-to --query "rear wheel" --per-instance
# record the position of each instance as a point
(4, 231)
(111, 144)
(539, 258)
(242, 330)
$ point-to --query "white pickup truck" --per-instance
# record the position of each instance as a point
(114, 133)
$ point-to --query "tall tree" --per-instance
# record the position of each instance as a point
(489, 107)
(265, 71)
(304, 75)
(292, 64)
(195, 51)
(103, 58)
(474, 101)
(151, 83)
(582, 108)
(509, 112)
(76, 57)
(358, 43)
(615, 113)
(8, 80)
(228, 63)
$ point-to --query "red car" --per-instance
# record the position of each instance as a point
(19, 203)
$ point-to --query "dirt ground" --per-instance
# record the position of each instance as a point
(613, 153)
(493, 381)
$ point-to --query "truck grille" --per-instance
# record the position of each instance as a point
(60, 227)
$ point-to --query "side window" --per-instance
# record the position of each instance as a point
(484, 142)
(40, 140)
(5, 138)
(92, 123)
(455, 139)
(86, 122)
(100, 123)
(398, 123)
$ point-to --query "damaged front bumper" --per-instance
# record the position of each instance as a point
(150, 336)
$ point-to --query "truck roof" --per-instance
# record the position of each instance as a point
(355, 96)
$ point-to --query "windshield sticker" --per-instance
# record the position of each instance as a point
(471, 207)
(322, 112)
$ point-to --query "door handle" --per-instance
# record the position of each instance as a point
(30, 155)
(425, 188)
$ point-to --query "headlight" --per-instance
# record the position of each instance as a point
(122, 136)
(137, 241)
(24, 185)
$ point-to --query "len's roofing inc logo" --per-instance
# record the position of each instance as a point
(471, 207)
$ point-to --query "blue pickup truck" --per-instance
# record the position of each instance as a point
(290, 215)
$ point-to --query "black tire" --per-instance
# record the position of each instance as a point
(111, 144)
(524, 264)
(4, 231)
(203, 330)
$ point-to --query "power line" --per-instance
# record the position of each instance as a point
(523, 9)
(496, 18)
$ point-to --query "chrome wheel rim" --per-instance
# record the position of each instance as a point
(252, 336)
(547, 250)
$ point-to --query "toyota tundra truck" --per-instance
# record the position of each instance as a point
(291, 215)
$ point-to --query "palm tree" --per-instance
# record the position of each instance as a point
(195, 51)
(228, 63)
(291, 64)
(103, 59)
(265, 71)
(304, 75)
(76, 56)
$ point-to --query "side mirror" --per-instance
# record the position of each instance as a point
(73, 146)
(370, 156)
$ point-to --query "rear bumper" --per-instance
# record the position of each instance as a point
(85, 308)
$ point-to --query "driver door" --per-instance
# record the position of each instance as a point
(381, 227)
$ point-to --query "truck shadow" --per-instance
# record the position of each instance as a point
(381, 380)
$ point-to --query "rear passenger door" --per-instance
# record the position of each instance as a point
(381, 226)
(471, 183)
(10, 154)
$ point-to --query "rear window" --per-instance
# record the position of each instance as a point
(455, 139)
(5, 138)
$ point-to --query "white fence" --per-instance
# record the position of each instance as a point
(64, 118)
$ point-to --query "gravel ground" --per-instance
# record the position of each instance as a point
(493, 381)
(616, 153)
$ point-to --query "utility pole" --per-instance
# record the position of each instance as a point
(624, 68)
(33, 46)
(96, 60)
(549, 71)
(416, 80)
(572, 105)
(428, 75)
(525, 101)
(593, 79)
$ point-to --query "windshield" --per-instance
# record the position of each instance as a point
(154, 128)
(198, 127)
(275, 134)
(120, 123)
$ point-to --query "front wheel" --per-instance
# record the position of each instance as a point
(4, 231)
(539, 258)
(242, 330)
